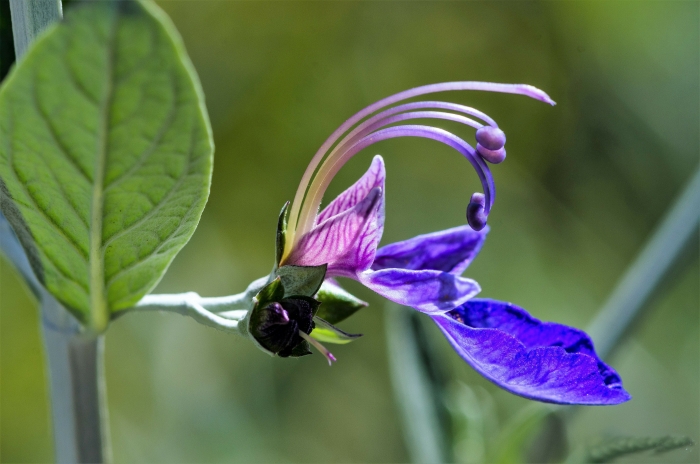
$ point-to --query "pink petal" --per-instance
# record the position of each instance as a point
(374, 177)
(346, 242)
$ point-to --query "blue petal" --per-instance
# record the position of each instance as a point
(431, 292)
(538, 360)
(450, 250)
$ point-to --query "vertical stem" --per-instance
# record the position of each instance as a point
(29, 18)
(75, 361)
(422, 426)
(76, 375)
(640, 283)
(643, 278)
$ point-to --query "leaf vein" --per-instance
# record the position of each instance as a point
(43, 213)
(80, 87)
(151, 149)
(64, 195)
(154, 253)
(175, 230)
(54, 135)
(155, 209)
(60, 269)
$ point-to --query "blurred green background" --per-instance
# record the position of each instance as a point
(583, 187)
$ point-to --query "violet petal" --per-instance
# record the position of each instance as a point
(539, 360)
(428, 291)
(450, 250)
(347, 241)
(374, 177)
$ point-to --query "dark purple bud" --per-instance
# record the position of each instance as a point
(274, 315)
(476, 212)
(491, 138)
(276, 326)
(492, 156)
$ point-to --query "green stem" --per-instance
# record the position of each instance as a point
(30, 18)
(420, 418)
(643, 280)
(644, 277)
(75, 361)
(232, 309)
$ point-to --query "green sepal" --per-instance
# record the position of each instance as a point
(302, 349)
(314, 303)
(302, 280)
(274, 291)
(328, 333)
(281, 237)
(337, 304)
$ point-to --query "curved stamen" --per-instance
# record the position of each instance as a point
(328, 170)
(307, 216)
(369, 125)
(520, 89)
(382, 119)
(378, 120)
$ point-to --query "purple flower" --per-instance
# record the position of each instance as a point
(538, 360)
(346, 233)
(346, 236)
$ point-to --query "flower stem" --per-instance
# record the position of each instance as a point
(75, 361)
(418, 400)
(644, 277)
(643, 280)
(231, 309)
(30, 18)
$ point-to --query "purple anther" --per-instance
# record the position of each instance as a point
(491, 138)
(492, 156)
(476, 214)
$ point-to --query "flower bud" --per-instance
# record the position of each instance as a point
(276, 325)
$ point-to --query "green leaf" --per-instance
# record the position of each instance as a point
(302, 349)
(281, 233)
(302, 280)
(328, 333)
(105, 155)
(336, 303)
(617, 447)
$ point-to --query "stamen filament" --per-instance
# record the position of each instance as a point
(331, 167)
(520, 89)
(328, 355)
(366, 128)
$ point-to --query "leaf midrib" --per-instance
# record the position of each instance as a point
(99, 312)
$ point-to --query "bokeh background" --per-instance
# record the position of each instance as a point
(583, 187)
